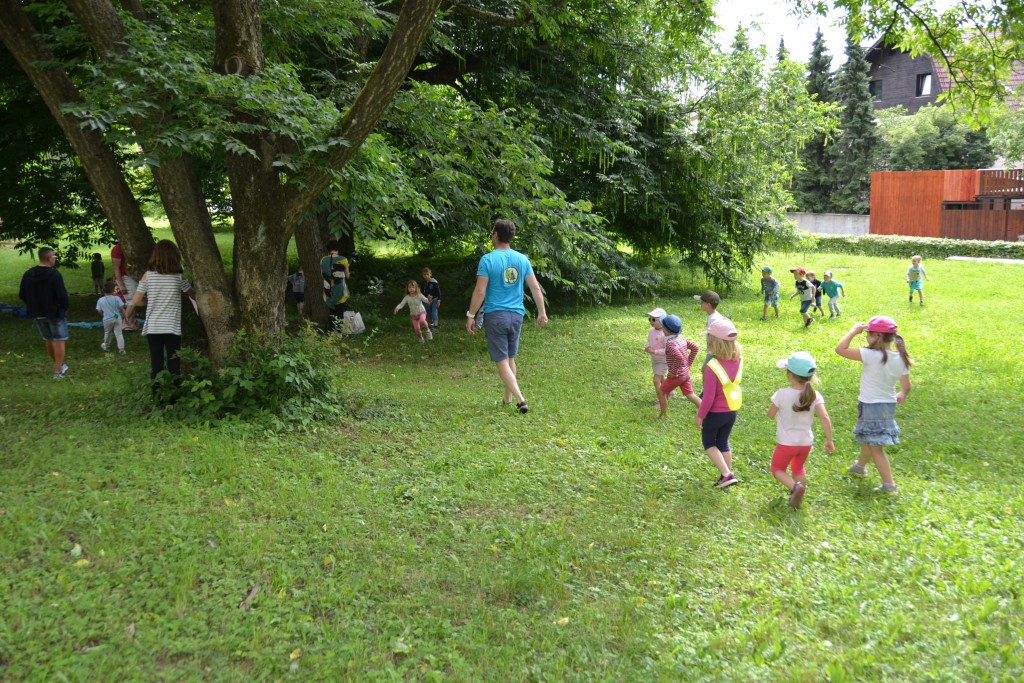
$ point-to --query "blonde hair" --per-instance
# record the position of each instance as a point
(807, 393)
(881, 343)
(415, 285)
(724, 349)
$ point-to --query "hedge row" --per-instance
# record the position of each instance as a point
(905, 247)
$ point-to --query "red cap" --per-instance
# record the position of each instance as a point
(802, 271)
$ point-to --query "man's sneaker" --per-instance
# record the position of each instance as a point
(105, 347)
(796, 495)
(58, 375)
(857, 470)
(726, 480)
(887, 488)
(63, 368)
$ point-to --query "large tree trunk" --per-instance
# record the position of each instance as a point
(98, 160)
(310, 238)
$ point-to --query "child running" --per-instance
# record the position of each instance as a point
(679, 355)
(717, 413)
(793, 409)
(656, 349)
(817, 292)
(915, 278)
(876, 405)
(112, 308)
(770, 289)
(805, 290)
(417, 309)
(834, 290)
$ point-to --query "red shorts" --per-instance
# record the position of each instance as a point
(786, 455)
(671, 383)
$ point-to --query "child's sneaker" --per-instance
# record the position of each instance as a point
(726, 480)
(105, 347)
(911, 298)
(58, 375)
(63, 369)
(796, 495)
(857, 470)
(807, 323)
(122, 352)
(430, 335)
(422, 340)
(887, 488)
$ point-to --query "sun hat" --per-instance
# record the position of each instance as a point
(658, 313)
(802, 271)
(708, 297)
(799, 363)
(767, 269)
(672, 323)
(722, 329)
(883, 324)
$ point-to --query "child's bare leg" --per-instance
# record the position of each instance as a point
(882, 463)
(782, 476)
(693, 399)
(865, 455)
(662, 403)
(727, 455)
(658, 379)
(718, 460)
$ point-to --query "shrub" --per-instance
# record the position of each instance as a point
(285, 380)
(899, 246)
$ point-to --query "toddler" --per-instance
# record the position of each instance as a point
(112, 308)
(656, 349)
(432, 290)
(915, 278)
(770, 290)
(679, 355)
(417, 309)
(834, 290)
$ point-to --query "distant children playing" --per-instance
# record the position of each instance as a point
(679, 355)
(834, 290)
(432, 290)
(793, 409)
(876, 405)
(417, 309)
(770, 289)
(915, 278)
(655, 348)
(805, 290)
(112, 308)
(98, 271)
(721, 398)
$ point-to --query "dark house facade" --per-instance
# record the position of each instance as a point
(897, 78)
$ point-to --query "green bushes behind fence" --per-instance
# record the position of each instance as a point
(900, 246)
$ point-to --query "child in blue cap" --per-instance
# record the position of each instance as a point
(679, 355)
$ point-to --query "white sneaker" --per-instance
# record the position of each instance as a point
(421, 340)
(105, 347)
(430, 335)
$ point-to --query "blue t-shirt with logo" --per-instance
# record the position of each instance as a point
(505, 270)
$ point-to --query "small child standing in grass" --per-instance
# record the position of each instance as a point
(770, 289)
(432, 290)
(112, 308)
(656, 349)
(98, 270)
(813, 279)
(876, 405)
(793, 409)
(721, 397)
(834, 290)
(417, 309)
(915, 278)
(679, 355)
(805, 290)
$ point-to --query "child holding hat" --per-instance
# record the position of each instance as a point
(793, 409)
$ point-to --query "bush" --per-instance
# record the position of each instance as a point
(899, 246)
(285, 380)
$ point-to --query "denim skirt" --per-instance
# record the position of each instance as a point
(876, 424)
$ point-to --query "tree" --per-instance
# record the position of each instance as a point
(931, 139)
(854, 150)
(812, 187)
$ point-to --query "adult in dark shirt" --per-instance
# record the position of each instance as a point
(46, 297)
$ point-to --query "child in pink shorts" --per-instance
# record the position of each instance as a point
(417, 309)
(793, 409)
(679, 355)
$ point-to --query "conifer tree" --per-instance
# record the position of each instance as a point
(856, 147)
(812, 187)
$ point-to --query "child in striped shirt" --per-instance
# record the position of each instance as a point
(679, 355)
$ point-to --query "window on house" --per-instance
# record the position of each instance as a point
(875, 88)
(924, 85)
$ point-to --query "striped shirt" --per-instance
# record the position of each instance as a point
(163, 301)
(679, 353)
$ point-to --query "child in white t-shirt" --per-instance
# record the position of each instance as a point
(656, 348)
(793, 409)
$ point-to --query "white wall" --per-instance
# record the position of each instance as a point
(832, 223)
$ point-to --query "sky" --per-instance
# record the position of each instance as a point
(776, 20)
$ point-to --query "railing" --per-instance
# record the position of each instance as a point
(1005, 183)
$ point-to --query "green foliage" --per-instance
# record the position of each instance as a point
(855, 148)
(812, 181)
(932, 139)
(281, 381)
(929, 247)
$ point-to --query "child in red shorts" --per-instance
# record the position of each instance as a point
(679, 355)
(793, 409)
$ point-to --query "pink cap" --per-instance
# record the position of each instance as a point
(723, 329)
(882, 324)
(798, 270)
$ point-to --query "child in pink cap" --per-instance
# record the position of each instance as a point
(876, 405)
(715, 418)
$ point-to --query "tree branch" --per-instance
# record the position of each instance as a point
(485, 16)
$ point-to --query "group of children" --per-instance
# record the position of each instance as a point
(884, 361)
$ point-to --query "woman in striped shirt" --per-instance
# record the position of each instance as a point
(162, 287)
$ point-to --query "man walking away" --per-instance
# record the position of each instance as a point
(46, 297)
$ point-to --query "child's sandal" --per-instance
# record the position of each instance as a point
(522, 407)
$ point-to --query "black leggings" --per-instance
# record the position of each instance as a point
(161, 347)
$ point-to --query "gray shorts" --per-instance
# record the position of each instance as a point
(502, 329)
(53, 329)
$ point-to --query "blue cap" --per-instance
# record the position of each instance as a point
(672, 323)
(801, 364)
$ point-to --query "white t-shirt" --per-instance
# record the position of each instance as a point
(878, 381)
(793, 428)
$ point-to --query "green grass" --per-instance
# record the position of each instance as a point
(434, 536)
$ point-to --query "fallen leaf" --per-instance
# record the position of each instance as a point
(328, 559)
(325, 527)
(561, 622)
(296, 653)
(130, 631)
(82, 563)
(76, 551)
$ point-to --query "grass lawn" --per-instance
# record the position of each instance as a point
(433, 535)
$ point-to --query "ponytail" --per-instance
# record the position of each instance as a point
(807, 394)
(901, 346)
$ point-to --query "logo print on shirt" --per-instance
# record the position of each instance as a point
(511, 275)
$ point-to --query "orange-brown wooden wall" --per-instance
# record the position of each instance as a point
(910, 202)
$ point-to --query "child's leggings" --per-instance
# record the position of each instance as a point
(833, 305)
(115, 326)
(417, 320)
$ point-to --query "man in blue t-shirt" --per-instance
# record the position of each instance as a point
(499, 289)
